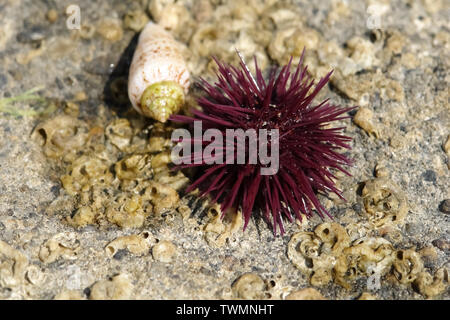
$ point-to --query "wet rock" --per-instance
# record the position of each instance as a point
(32, 34)
(429, 176)
(445, 206)
(442, 243)
(101, 65)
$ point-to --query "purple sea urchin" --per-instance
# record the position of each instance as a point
(307, 146)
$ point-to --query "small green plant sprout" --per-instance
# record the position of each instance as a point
(8, 106)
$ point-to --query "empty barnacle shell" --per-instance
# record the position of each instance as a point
(366, 256)
(407, 265)
(128, 211)
(119, 133)
(220, 226)
(137, 244)
(302, 248)
(431, 286)
(118, 287)
(334, 236)
(61, 135)
(162, 197)
(61, 245)
(384, 202)
(321, 277)
(164, 251)
(158, 78)
(249, 286)
(134, 166)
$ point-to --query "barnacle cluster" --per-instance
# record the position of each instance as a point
(113, 173)
(315, 253)
(18, 276)
(273, 30)
(327, 254)
(117, 171)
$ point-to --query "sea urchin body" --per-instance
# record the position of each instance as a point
(307, 145)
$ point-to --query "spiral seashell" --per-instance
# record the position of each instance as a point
(158, 79)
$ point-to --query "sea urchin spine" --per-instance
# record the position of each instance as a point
(307, 145)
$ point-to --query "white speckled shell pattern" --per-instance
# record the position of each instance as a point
(157, 58)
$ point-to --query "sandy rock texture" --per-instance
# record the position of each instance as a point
(59, 239)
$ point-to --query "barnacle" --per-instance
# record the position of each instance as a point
(407, 265)
(160, 138)
(176, 181)
(86, 172)
(128, 211)
(136, 20)
(62, 245)
(367, 296)
(363, 118)
(137, 244)
(290, 41)
(321, 276)
(132, 169)
(119, 133)
(284, 16)
(69, 295)
(362, 53)
(164, 251)
(82, 217)
(13, 266)
(218, 230)
(176, 18)
(87, 30)
(249, 286)
(60, 135)
(431, 286)
(302, 248)
(162, 197)
(110, 29)
(34, 275)
(160, 161)
(203, 39)
(118, 287)
(384, 202)
(334, 237)
(157, 7)
(315, 253)
(365, 257)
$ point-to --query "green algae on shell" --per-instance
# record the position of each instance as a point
(162, 99)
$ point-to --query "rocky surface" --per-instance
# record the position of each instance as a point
(391, 58)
